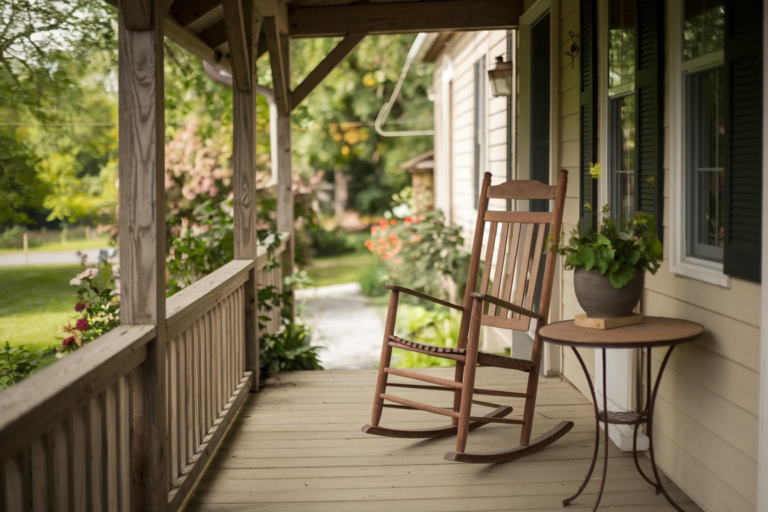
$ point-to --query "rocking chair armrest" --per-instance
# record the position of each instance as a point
(506, 305)
(424, 296)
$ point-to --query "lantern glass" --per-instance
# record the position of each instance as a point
(501, 78)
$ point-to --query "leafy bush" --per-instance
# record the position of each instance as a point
(18, 363)
(97, 307)
(329, 243)
(423, 252)
(203, 247)
(13, 238)
(439, 327)
(619, 253)
(373, 278)
(289, 350)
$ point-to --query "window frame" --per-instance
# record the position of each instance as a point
(681, 263)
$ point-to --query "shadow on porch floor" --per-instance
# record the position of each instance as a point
(297, 446)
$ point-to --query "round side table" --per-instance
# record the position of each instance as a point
(654, 332)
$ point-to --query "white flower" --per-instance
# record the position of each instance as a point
(75, 282)
(88, 273)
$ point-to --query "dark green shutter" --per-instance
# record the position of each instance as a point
(744, 133)
(588, 113)
(649, 117)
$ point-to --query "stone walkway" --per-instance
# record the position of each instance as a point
(346, 324)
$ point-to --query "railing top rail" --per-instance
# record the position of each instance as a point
(30, 407)
(186, 306)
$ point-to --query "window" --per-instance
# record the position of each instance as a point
(621, 92)
(704, 128)
(479, 139)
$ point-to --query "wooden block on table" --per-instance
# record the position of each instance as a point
(608, 323)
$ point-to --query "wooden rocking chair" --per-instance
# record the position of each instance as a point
(512, 298)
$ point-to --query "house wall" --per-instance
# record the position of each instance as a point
(706, 428)
(458, 61)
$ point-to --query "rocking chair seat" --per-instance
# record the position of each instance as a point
(458, 354)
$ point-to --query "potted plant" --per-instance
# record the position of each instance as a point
(610, 264)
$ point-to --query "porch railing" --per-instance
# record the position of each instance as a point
(71, 434)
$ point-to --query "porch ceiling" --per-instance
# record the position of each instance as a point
(198, 25)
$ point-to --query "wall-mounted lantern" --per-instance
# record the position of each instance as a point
(501, 77)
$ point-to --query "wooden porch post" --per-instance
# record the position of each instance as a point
(279, 55)
(242, 23)
(142, 235)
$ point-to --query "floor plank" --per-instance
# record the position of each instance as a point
(297, 446)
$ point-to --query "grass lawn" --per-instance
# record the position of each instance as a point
(35, 303)
(330, 270)
(70, 245)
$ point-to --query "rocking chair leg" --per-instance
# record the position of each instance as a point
(386, 357)
(468, 385)
(459, 377)
(530, 406)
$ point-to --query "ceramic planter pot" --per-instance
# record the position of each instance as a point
(599, 299)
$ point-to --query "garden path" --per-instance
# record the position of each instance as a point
(345, 323)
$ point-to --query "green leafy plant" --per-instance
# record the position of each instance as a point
(616, 252)
(290, 349)
(329, 243)
(202, 247)
(97, 307)
(439, 327)
(18, 363)
(423, 252)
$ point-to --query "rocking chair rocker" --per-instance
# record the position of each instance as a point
(511, 299)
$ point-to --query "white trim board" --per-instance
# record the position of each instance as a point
(762, 459)
(622, 365)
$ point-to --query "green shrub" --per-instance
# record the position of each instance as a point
(422, 253)
(288, 350)
(12, 238)
(18, 363)
(439, 327)
(330, 243)
(373, 278)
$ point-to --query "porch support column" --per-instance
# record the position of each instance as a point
(242, 23)
(276, 31)
(142, 236)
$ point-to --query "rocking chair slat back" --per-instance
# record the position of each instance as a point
(513, 252)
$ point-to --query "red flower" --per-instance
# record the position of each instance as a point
(82, 324)
(392, 222)
(68, 341)
(79, 307)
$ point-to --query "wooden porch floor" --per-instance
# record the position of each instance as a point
(297, 446)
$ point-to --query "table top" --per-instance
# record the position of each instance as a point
(653, 332)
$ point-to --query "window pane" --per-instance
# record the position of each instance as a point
(623, 151)
(705, 138)
(621, 54)
(703, 27)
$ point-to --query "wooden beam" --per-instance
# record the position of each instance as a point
(215, 35)
(137, 14)
(240, 44)
(244, 169)
(328, 64)
(187, 12)
(277, 58)
(388, 18)
(142, 240)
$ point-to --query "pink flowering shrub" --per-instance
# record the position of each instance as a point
(97, 307)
